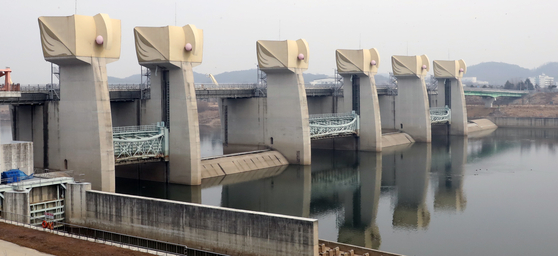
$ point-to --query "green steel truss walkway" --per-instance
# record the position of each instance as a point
(494, 93)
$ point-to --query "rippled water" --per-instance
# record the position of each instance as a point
(493, 194)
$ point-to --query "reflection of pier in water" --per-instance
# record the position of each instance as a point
(348, 185)
(353, 185)
(406, 171)
(449, 157)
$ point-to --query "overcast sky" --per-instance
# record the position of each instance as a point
(517, 32)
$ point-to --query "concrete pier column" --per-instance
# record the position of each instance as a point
(412, 113)
(82, 46)
(288, 129)
(450, 88)
(175, 51)
(76, 203)
(488, 101)
(16, 206)
(358, 68)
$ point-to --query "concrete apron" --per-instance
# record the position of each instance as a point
(227, 165)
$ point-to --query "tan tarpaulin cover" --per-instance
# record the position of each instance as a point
(357, 61)
(282, 54)
(167, 44)
(74, 36)
(410, 65)
(449, 68)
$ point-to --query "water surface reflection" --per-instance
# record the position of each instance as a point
(456, 196)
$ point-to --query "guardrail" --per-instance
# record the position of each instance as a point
(10, 87)
(111, 238)
(333, 125)
(138, 128)
(440, 115)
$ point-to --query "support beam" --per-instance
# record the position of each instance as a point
(488, 101)
(358, 68)
(288, 129)
(449, 74)
(175, 51)
(412, 114)
(84, 123)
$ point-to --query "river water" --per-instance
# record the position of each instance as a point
(489, 194)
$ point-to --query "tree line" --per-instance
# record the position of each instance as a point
(521, 85)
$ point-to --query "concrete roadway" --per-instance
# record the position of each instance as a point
(7, 248)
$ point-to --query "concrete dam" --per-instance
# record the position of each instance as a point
(89, 127)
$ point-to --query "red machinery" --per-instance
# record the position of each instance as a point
(8, 85)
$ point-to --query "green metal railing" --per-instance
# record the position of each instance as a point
(133, 143)
(440, 115)
(333, 125)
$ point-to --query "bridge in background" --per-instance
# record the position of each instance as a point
(494, 93)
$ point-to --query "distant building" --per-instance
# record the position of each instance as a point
(472, 80)
(544, 81)
(323, 81)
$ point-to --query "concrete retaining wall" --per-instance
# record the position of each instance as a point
(16, 155)
(16, 206)
(223, 230)
(526, 122)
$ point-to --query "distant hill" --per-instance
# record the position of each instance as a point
(497, 73)
(233, 77)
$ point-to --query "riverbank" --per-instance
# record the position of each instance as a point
(208, 114)
(531, 111)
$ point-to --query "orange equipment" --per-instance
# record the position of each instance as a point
(8, 85)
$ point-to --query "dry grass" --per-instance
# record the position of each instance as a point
(58, 245)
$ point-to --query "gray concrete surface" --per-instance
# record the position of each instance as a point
(17, 155)
(287, 110)
(11, 249)
(16, 206)
(525, 122)
(227, 165)
(234, 232)
(370, 132)
(81, 139)
(456, 103)
(412, 113)
(184, 130)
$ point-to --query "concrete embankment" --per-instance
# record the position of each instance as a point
(222, 230)
(525, 122)
(395, 139)
(241, 162)
(390, 139)
(478, 125)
